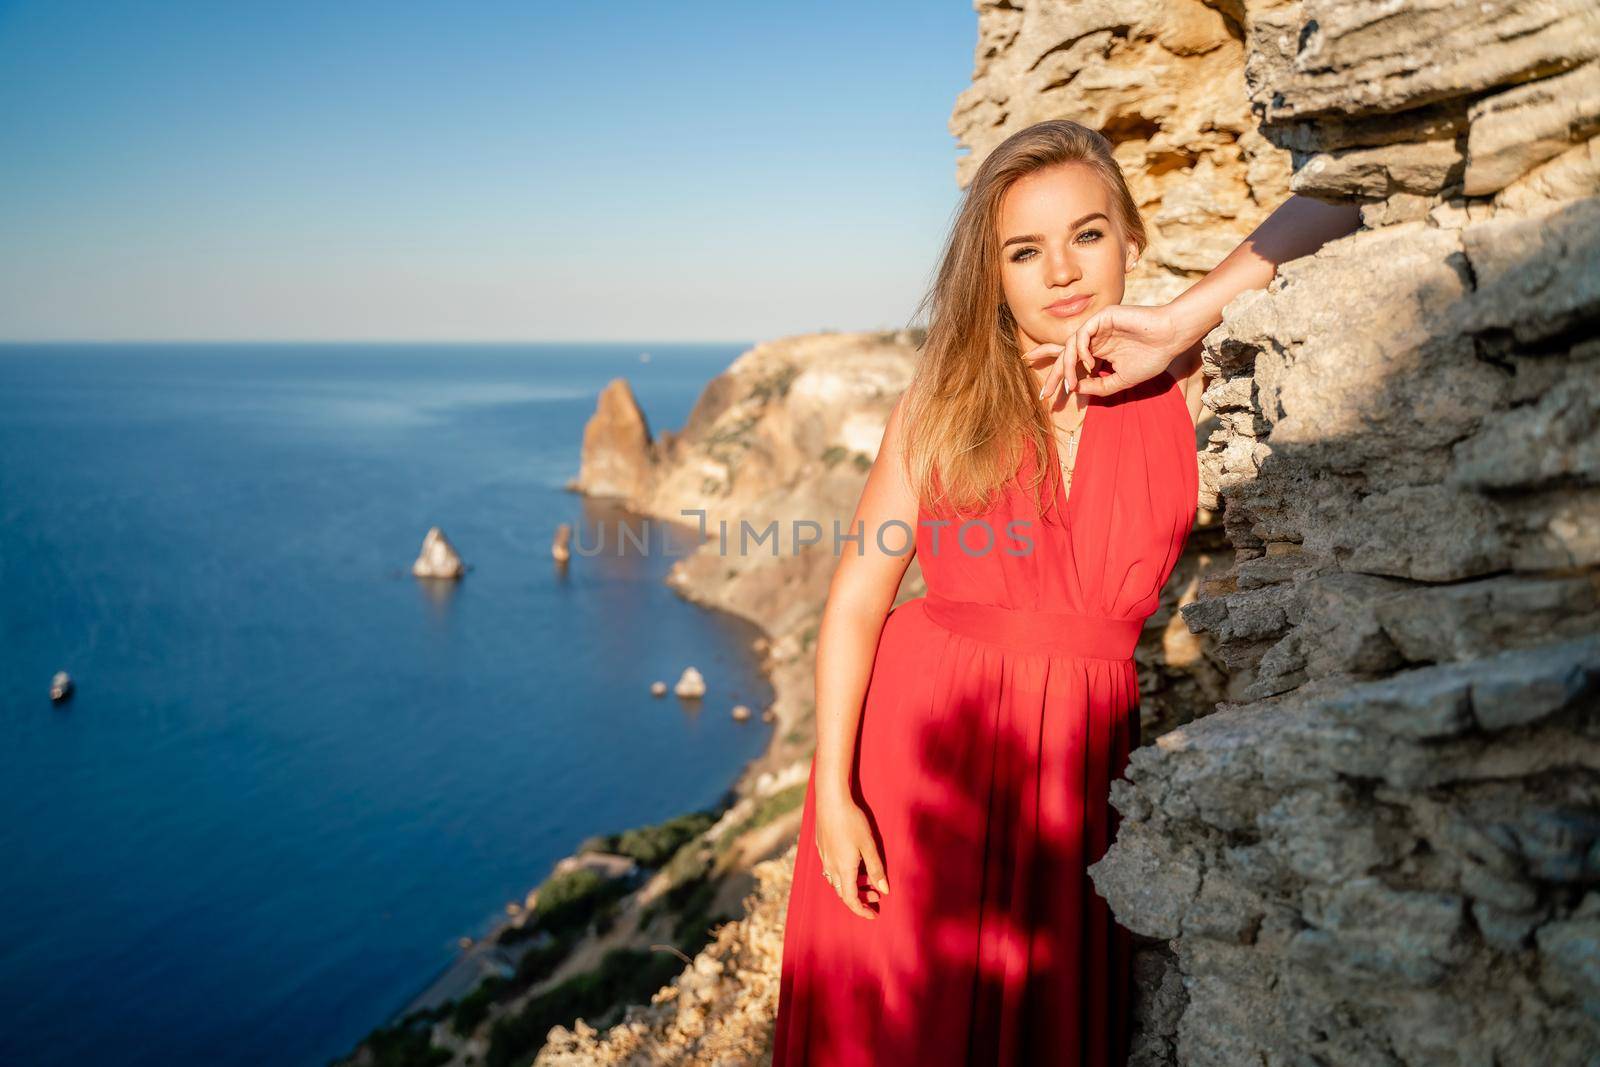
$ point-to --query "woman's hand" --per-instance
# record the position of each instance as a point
(1138, 342)
(844, 841)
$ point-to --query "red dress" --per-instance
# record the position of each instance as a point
(999, 708)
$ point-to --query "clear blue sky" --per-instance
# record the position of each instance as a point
(476, 171)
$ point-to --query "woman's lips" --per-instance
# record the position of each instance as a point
(1070, 308)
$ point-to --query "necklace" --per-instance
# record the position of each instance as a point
(1070, 461)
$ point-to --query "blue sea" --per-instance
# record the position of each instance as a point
(292, 775)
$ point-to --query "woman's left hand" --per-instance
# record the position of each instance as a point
(1138, 342)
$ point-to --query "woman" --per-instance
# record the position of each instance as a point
(941, 911)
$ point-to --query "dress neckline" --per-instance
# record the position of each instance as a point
(1063, 499)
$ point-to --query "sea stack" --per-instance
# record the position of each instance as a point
(560, 548)
(690, 684)
(618, 458)
(60, 687)
(438, 558)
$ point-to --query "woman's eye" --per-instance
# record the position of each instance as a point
(1024, 254)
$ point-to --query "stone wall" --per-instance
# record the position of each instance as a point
(1384, 846)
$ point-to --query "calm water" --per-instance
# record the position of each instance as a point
(292, 776)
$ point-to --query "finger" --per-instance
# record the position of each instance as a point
(1092, 332)
(1052, 377)
(1059, 373)
(1085, 352)
(848, 892)
(1111, 383)
(1083, 356)
(855, 905)
(1074, 358)
(1052, 381)
(875, 871)
(1085, 365)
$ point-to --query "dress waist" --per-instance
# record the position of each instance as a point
(1061, 633)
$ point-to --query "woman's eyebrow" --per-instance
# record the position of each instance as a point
(1037, 237)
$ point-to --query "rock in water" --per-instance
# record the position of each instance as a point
(60, 686)
(560, 548)
(740, 713)
(690, 684)
(438, 558)
(618, 458)
(658, 689)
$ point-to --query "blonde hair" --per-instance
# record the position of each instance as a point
(971, 401)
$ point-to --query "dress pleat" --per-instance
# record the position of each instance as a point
(999, 709)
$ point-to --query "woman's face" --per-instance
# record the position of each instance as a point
(1060, 242)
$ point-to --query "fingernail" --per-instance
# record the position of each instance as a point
(1043, 391)
(883, 885)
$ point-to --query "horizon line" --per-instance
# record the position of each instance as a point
(359, 341)
(430, 340)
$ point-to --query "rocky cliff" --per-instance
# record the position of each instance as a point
(1385, 846)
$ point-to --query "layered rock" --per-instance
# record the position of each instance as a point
(1382, 847)
(1162, 81)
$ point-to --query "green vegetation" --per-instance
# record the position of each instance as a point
(732, 433)
(569, 900)
(653, 845)
(862, 461)
(405, 1047)
(541, 961)
(688, 870)
(624, 976)
(474, 1007)
(774, 385)
(605, 916)
(771, 807)
(691, 889)
(408, 1043)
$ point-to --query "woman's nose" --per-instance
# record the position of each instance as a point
(1063, 269)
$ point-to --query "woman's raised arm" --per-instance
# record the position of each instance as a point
(1298, 227)
(1141, 342)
